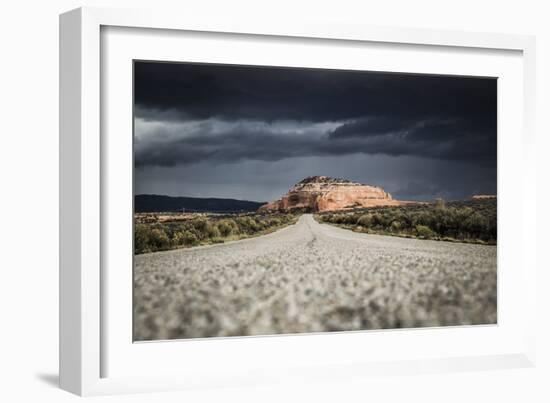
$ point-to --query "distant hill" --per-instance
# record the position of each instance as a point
(159, 203)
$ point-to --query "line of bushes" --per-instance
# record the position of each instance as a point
(152, 237)
(471, 221)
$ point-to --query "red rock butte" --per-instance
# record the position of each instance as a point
(323, 193)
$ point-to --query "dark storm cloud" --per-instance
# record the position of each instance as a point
(374, 113)
(453, 138)
(222, 141)
(273, 93)
(173, 143)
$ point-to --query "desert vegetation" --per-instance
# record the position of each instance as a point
(465, 221)
(158, 232)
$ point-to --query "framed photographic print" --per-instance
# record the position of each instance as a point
(237, 198)
(243, 256)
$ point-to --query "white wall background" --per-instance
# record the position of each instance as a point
(29, 201)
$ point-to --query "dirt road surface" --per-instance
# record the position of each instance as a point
(312, 277)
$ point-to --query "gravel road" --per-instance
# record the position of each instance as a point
(312, 277)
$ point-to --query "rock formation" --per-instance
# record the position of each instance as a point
(322, 193)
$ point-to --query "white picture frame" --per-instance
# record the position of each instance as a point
(84, 343)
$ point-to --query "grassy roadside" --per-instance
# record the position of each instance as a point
(463, 221)
(204, 229)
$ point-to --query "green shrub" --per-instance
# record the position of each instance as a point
(247, 224)
(185, 238)
(439, 203)
(365, 220)
(338, 219)
(200, 224)
(212, 231)
(142, 239)
(225, 228)
(350, 219)
(395, 226)
(476, 224)
(200, 228)
(424, 232)
(159, 239)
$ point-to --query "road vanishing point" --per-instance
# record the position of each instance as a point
(312, 277)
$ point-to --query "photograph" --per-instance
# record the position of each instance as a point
(275, 200)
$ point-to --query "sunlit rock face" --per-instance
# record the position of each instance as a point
(322, 193)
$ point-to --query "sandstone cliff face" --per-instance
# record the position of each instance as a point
(321, 193)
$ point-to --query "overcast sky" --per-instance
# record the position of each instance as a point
(250, 133)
